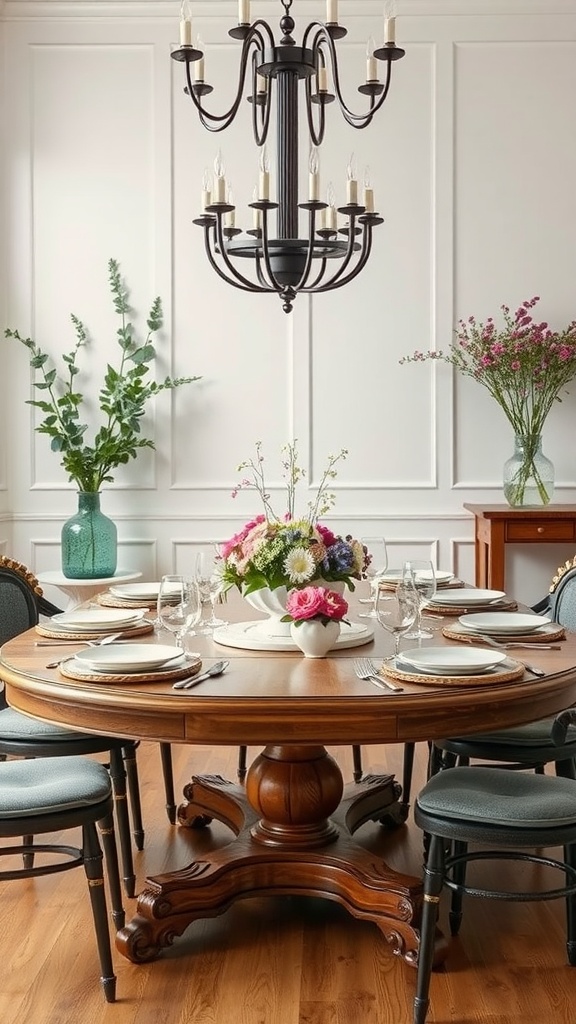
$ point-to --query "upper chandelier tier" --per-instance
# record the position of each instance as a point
(333, 252)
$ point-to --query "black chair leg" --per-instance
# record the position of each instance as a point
(108, 835)
(407, 769)
(458, 875)
(131, 767)
(570, 859)
(118, 776)
(357, 770)
(27, 854)
(94, 873)
(433, 878)
(168, 776)
(242, 769)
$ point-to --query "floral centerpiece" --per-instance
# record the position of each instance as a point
(288, 550)
(525, 366)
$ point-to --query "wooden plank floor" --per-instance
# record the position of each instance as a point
(275, 961)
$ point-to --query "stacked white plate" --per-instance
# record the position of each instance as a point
(97, 620)
(395, 576)
(452, 661)
(504, 623)
(464, 597)
(121, 658)
(140, 591)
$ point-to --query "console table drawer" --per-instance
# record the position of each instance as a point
(540, 530)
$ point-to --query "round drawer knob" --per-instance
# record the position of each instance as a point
(540, 529)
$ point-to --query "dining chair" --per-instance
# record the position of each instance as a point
(523, 746)
(21, 604)
(38, 797)
(509, 812)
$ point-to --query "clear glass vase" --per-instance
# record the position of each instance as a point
(528, 474)
(89, 541)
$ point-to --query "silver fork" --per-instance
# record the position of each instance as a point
(365, 669)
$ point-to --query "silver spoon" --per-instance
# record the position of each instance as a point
(215, 670)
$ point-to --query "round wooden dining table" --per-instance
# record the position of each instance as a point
(294, 820)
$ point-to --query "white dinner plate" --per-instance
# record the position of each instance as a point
(178, 661)
(142, 591)
(453, 660)
(466, 597)
(93, 620)
(504, 623)
(395, 576)
(128, 657)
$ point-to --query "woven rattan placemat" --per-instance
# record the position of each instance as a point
(453, 609)
(551, 632)
(55, 634)
(513, 670)
(108, 600)
(73, 670)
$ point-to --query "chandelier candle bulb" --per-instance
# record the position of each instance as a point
(264, 190)
(351, 184)
(332, 12)
(186, 24)
(206, 191)
(199, 64)
(243, 12)
(314, 177)
(219, 191)
(371, 62)
(368, 192)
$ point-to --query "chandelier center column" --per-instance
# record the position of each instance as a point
(287, 150)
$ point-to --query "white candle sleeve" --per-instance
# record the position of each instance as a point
(220, 190)
(243, 12)
(389, 30)
(332, 11)
(264, 192)
(352, 191)
(185, 32)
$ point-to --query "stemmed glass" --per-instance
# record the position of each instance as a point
(374, 571)
(424, 579)
(179, 606)
(397, 612)
(210, 585)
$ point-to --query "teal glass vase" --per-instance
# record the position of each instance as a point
(89, 541)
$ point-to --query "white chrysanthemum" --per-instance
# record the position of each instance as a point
(299, 565)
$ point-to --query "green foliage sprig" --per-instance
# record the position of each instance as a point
(123, 396)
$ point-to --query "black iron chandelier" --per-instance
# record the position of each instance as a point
(334, 252)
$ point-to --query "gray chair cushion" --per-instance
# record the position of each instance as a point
(500, 797)
(15, 726)
(46, 785)
(532, 735)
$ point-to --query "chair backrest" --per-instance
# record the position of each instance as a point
(563, 599)
(21, 599)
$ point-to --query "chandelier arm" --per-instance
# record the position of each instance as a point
(323, 37)
(309, 254)
(235, 276)
(316, 133)
(260, 134)
(219, 122)
(313, 286)
(337, 281)
(265, 283)
(277, 287)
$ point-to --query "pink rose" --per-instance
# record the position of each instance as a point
(327, 536)
(305, 603)
(335, 607)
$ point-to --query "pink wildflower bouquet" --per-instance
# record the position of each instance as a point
(524, 365)
(315, 604)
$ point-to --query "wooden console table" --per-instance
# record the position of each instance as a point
(498, 525)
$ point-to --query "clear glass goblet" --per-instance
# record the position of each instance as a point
(374, 572)
(210, 584)
(396, 613)
(424, 580)
(179, 606)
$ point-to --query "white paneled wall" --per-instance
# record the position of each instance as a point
(473, 159)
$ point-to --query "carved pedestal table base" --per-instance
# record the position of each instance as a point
(294, 827)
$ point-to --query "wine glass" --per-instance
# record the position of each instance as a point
(424, 579)
(375, 571)
(179, 606)
(210, 584)
(397, 612)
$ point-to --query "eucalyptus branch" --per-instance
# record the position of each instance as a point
(123, 396)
